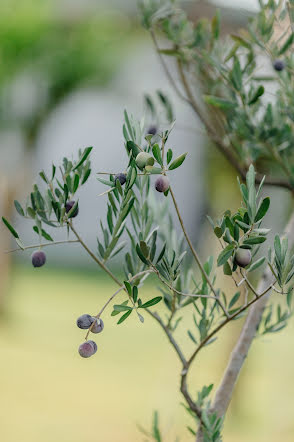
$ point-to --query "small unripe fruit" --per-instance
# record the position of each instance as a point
(38, 258)
(152, 130)
(85, 321)
(121, 177)
(162, 184)
(68, 206)
(279, 65)
(144, 159)
(87, 349)
(98, 326)
(243, 257)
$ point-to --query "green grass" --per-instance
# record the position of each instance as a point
(50, 394)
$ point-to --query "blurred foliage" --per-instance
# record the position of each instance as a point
(241, 87)
(52, 55)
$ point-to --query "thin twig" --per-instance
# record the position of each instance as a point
(194, 253)
(219, 327)
(189, 295)
(249, 284)
(166, 70)
(138, 275)
(182, 358)
(36, 246)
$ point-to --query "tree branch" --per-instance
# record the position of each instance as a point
(36, 246)
(239, 353)
(195, 254)
(190, 99)
(169, 335)
(184, 389)
(165, 68)
(94, 257)
(122, 287)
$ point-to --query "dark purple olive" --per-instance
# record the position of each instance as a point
(98, 326)
(87, 349)
(162, 184)
(121, 177)
(68, 206)
(279, 65)
(38, 258)
(152, 130)
(94, 346)
(85, 321)
(243, 257)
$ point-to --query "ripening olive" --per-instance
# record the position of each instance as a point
(85, 321)
(152, 130)
(162, 184)
(38, 258)
(243, 257)
(121, 177)
(279, 65)
(98, 326)
(68, 206)
(144, 159)
(87, 349)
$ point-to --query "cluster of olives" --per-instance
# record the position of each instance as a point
(144, 160)
(39, 257)
(89, 348)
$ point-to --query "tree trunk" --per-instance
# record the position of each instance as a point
(225, 391)
(199, 436)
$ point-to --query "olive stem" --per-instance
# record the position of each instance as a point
(36, 246)
(249, 284)
(194, 253)
(191, 295)
(138, 275)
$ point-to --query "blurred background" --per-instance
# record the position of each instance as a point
(68, 69)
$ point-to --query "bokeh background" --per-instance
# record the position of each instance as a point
(68, 69)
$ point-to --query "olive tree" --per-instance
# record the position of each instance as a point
(221, 82)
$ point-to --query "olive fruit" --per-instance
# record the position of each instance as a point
(87, 349)
(85, 321)
(38, 258)
(243, 257)
(279, 65)
(152, 130)
(162, 184)
(121, 177)
(68, 206)
(144, 159)
(98, 326)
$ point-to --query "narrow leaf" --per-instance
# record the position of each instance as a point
(151, 302)
(124, 317)
(9, 226)
(85, 155)
(177, 162)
